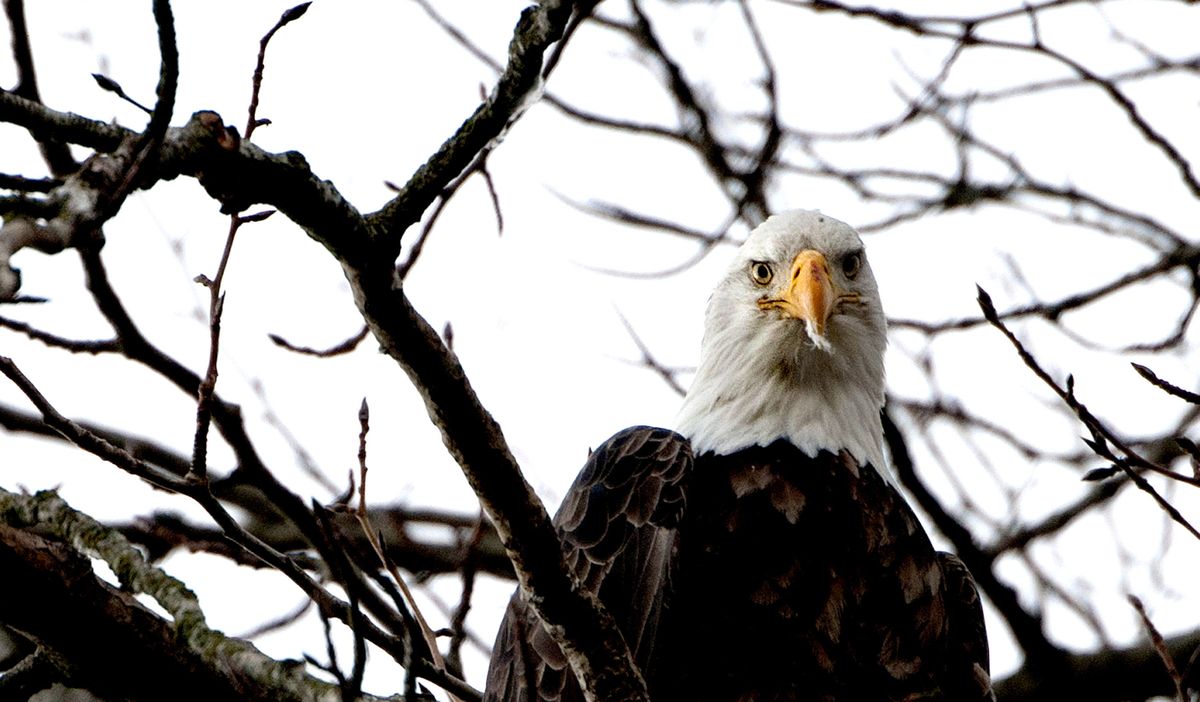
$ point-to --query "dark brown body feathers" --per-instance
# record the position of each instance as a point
(785, 577)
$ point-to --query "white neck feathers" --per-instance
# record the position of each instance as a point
(820, 400)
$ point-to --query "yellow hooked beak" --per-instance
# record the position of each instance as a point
(809, 295)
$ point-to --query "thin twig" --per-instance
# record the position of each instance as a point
(115, 88)
(279, 622)
(649, 361)
(78, 435)
(1101, 435)
(344, 572)
(458, 621)
(216, 297)
(478, 165)
(208, 385)
(338, 349)
(1184, 256)
(1165, 386)
(291, 15)
(1160, 647)
(364, 422)
(55, 341)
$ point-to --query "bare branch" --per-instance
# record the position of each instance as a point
(1100, 432)
(540, 26)
(198, 490)
(89, 442)
(338, 349)
(1185, 395)
(115, 645)
(112, 86)
(1186, 257)
(56, 341)
(1160, 647)
(289, 16)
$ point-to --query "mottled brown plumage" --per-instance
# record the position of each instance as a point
(800, 579)
(805, 579)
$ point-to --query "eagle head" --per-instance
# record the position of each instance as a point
(793, 345)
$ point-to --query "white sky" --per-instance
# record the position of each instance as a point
(368, 90)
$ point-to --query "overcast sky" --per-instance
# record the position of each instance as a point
(368, 90)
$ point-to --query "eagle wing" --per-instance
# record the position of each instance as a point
(617, 527)
(965, 631)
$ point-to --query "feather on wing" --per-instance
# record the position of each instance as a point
(617, 526)
(964, 610)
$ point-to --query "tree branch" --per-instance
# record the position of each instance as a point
(1105, 676)
(115, 646)
(238, 174)
(540, 26)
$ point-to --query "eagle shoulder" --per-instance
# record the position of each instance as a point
(617, 525)
(964, 611)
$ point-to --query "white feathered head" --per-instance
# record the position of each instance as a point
(793, 346)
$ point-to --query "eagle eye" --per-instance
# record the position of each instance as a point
(851, 263)
(760, 272)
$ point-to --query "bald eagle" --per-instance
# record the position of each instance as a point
(761, 551)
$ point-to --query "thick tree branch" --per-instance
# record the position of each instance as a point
(540, 26)
(585, 630)
(115, 646)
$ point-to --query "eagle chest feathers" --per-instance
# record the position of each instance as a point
(800, 579)
(761, 552)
